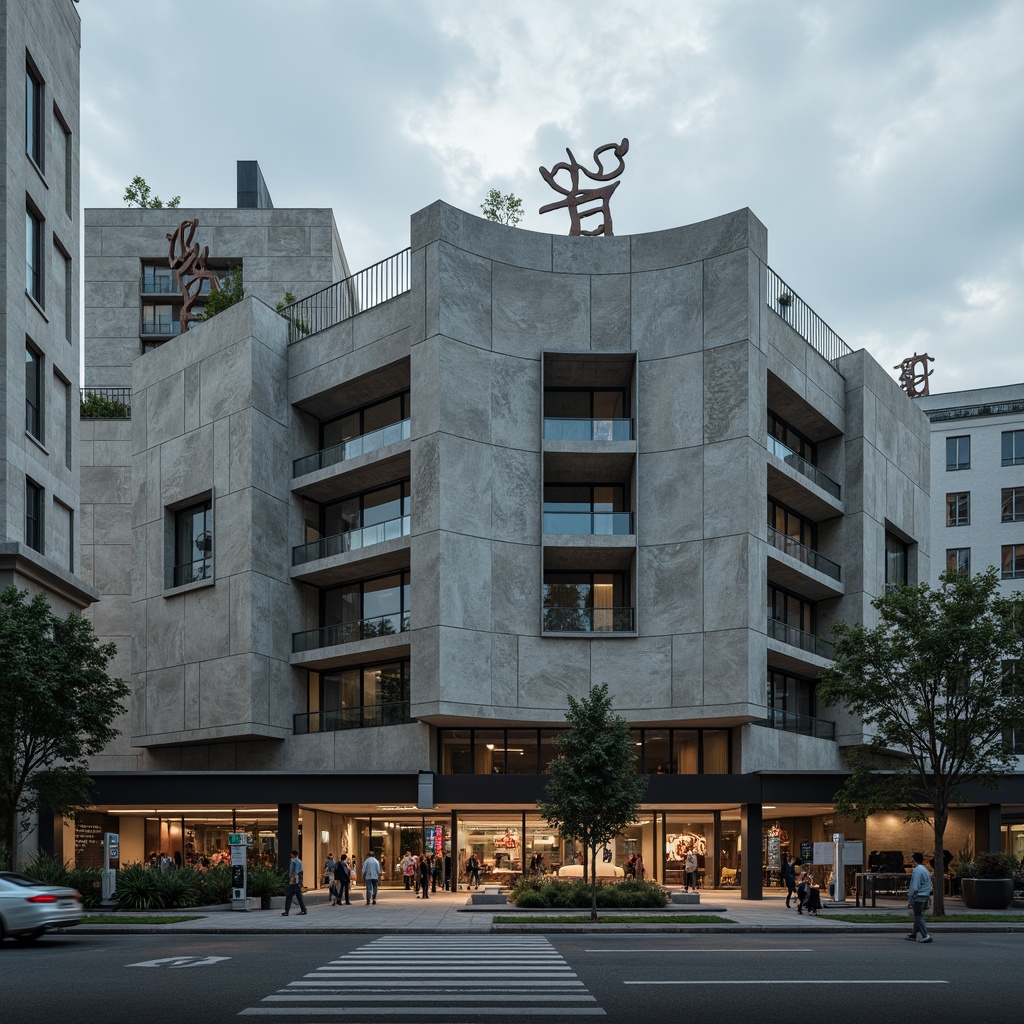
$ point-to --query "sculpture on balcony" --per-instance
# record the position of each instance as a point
(576, 196)
(914, 374)
(189, 266)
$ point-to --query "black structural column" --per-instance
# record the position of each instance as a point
(987, 822)
(287, 833)
(750, 834)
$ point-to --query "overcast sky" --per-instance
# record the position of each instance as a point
(881, 143)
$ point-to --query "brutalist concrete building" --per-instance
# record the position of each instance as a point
(361, 549)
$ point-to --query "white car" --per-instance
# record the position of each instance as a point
(29, 907)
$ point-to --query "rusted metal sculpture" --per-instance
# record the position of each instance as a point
(914, 374)
(189, 266)
(575, 196)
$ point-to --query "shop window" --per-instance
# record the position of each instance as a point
(716, 751)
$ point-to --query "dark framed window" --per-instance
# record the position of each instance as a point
(34, 88)
(958, 452)
(34, 280)
(1013, 448)
(790, 609)
(584, 602)
(791, 524)
(958, 560)
(1013, 561)
(69, 171)
(193, 543)
(792, 438)
(1013, 504)
(791, 694)
(367, 608)
(587, 414)
(69, 306)
(34, 392)
(587, 509)
(896, 562)
(34, 516)
(365, 420)
(364, 695)
(380, 508)
(958, 508)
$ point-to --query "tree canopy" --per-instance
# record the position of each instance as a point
(138, 193)
(594, 791)
(229, 291)
(57, 707)
(937, 686)
(502, 209)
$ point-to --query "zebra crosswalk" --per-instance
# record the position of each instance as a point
(454, 977)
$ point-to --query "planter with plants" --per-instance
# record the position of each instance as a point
(987, 883)
(266, 883)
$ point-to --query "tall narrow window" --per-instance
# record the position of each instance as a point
(65, 389)
(1013, 447)
(193, 544)
(958, 452)
(895, 562)
(1013, 504)
(34, 392)
(958, 560)
(69, 173)
(1013, 561)
(958, 508)
(34, 115)
(69, 307)
(34, 254)
(34, 516)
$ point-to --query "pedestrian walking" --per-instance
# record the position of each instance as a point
(342, 881)
(426, 869)
(920, 891)
(408, 868)
(371, 877)
(329, 871)
(641, 871)
(473, 871)
(294, 885)
(690, 866)
(789, 878)
(803, 890)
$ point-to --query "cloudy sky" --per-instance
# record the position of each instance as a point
(882, 143)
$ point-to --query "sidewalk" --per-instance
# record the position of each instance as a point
(397, 910)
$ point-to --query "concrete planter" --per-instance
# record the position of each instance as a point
(987, 893)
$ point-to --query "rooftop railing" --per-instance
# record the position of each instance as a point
(102, 403)
(393, 713)
(803, 467)
(785, 301)
(343, 299)
(778, 630)
(789, 721)
(802, 552)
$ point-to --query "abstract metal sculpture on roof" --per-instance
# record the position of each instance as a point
(575, 196)
(189, 266)
(914, 374)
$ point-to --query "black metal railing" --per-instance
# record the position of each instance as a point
(170, 327)
(802, 553)
(193, 572)
(159, 285)
(393, 713)
(802, 466)
(350, 632)
(788, 721)
(102, 403)
(799, 638)
(356, 294)
(588, 620)
(785, 301)
(352, 448)
(352, 540)
(596, 524)
(566, 429)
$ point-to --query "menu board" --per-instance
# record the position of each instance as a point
(807, 851)
(89, 829)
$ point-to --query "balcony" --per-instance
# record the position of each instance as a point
(102, 403)
(803, 467)
(799, 638)
(349, 632)
(159, 285)
(589, 524)
(802, 553)
(352, 540)
(589, 620)
(788, 721)
(556, 429)
(160, 328)
(352, 448)
(394, 713)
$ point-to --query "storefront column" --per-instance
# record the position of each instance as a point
(750, 834)
(288, 835)
(715, 860)
(51, 836)
(987, 823)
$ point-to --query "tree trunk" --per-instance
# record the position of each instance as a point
(593, 882)
(939, 872)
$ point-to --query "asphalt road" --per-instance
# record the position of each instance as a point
(317, 979)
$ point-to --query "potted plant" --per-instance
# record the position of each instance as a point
(265, 883)
(987, 884)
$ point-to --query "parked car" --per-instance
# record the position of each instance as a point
(29, 907)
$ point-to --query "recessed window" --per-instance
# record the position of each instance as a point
(1013, 561)
(1013, 447)
(958, 560)
(34, 254)
(34, 115)
(958, 452)
(34, 392)
(958, 508)
(34, 516)
(896, 560)
(1013, 505)
(585, 602)
(193, 543)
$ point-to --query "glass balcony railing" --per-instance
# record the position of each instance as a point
(161, 327)
(393, 713)
(352, 540)
(597, 524)
(801, 552)
(799, 638)
(556, 429)
(352, 448)
(588, 620)
(350, 632)
(802, 466)
(788, 721)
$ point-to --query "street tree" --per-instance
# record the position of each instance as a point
(595, 790)
(138, 193)
(936, 685)
(57, 707)
(503, 209)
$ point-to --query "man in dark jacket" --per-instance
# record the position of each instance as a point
(342, 880)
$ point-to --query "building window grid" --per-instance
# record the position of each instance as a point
(958, 508)
(1013, 448)
(1013, 504)
(958, 453)
(1013, 562)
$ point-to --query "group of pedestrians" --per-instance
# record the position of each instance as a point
(798, 886)
(421, 873)
(340, 875)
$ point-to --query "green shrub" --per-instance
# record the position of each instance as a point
(530, 901)
(265, 882)
(89, 882)
(96, 406)
(137, 888)
(995, 865)
(47, 868)
(216, 885)
(179, 887)
(576, 894)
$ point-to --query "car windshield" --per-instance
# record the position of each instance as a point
(16, 879)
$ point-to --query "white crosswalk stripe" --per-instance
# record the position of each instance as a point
(457, 977)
